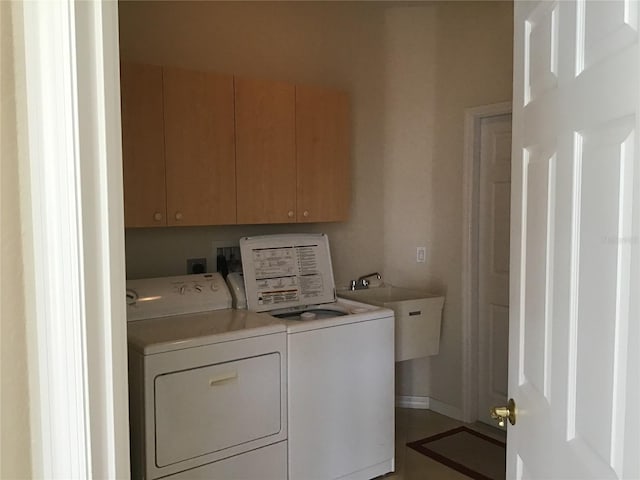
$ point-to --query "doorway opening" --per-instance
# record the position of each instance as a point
(485, 276)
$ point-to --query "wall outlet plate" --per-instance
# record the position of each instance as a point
(421, 254)
(230, 250)
(196, 265)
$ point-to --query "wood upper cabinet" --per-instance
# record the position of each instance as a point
(200, 147)
(265, 151)
(322, 153)
(143, 145)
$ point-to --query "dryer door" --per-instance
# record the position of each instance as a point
(211, 408)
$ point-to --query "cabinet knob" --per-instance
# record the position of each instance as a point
(178, 216)
(157, 216)
(305, 213)
(290, 214)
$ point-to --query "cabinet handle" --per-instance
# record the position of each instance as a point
(290, 214)
(157, 216)
(222, 378)
(178, 216)
(305, 213)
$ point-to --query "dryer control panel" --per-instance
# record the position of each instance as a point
(167, 296)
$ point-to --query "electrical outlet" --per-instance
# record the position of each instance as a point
(421, 254)
(196, 265)
(226, 254)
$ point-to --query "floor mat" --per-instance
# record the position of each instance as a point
(467, 451)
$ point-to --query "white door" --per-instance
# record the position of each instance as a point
(493, 262)
(575, 246)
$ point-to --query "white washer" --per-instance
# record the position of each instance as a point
(207, 383)
(340, 360)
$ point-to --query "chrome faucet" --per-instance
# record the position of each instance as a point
(363, 282)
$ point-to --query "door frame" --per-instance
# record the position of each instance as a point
(73, 240)
(470, 231)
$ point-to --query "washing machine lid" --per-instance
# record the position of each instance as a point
(291, 270)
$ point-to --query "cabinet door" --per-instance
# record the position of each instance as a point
(143, 145)
(200, 148)
(323, 153)
(265, 162)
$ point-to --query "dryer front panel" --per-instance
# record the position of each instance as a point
(212, 402)
(208, 409)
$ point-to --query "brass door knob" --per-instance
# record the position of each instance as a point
(509, 412)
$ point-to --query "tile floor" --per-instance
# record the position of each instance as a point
(415, 424)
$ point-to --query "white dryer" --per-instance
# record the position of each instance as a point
(340, 360)
(207, 383)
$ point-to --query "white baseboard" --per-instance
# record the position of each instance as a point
(408, 401)
(428, 403)
(445, 409)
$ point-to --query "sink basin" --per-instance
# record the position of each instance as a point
(382, 295)
(418, 317)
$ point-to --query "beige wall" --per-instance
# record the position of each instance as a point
(440, 58)
(411, 70)
(15, 452)
(474, 67)
(410, 97)
(337, 44)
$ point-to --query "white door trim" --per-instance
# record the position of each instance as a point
(74, 243)
(470, 192)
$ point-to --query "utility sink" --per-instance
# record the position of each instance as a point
(418, 317)
(382, 295)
